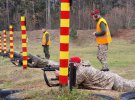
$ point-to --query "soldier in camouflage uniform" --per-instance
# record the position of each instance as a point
(102, 56)
(91, 78)
(17, 60)
(37, 62)
(103, 38)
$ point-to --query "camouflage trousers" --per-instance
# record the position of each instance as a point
(102, 54)
(46, 51)
(121, 84)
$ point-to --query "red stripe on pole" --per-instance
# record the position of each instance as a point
(65, 14)
(64, 31)
(24, 66)
(23, 31)
(11, 41)
(65, 1)
(23, 23)
(11, 47)
(23, 40)
(64, 47)
(63, 80)
(25, 57)
(11, 53)
(63, 62)
(10, 29)
(24, 49)
(11, 35)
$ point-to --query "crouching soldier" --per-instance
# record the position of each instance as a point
(91, 78)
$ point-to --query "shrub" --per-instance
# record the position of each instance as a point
(73, 34)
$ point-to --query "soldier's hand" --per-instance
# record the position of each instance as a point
(56, 73)
(94, 33)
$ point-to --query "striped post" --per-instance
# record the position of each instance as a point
(11, 42)
(64, 41)
(0, 43)
(5, 40)
(24, 43)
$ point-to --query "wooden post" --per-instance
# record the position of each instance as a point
(64, 41)
(0, 43)
(5, 40)
(24, 43)
(11, 42)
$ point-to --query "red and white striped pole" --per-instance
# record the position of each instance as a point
(11, 42)
(64, 41)
(5, 40)
(0, 43)
(24, 43)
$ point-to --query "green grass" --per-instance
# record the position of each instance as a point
(121, 59)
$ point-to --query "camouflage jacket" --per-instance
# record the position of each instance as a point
(91, 78)
(37, 62)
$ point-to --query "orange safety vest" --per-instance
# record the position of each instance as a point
(105, 39)
(44, 39)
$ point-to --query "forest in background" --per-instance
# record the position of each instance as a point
(46, 13)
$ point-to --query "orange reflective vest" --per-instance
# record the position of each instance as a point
(44, 39)
(105, 39)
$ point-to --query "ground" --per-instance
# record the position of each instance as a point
(120, 57)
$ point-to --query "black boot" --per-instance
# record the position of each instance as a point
(105, 69)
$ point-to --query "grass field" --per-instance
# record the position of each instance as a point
(121, 59)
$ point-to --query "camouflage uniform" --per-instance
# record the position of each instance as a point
(91, 78)
(37, 62)
(102, 55)
(17, 60)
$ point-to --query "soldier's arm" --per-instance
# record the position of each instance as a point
(35, 61)
(103, 30)
(80, 77)
(30, 65)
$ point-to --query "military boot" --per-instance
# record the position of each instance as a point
(105, 67)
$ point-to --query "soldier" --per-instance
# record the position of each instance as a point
(37, 62)
(33, 61)
(103, 38)
(46, 43)
(17, 60)
(91, 78)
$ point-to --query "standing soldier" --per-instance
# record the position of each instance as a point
(46, 42)
(103, 38)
